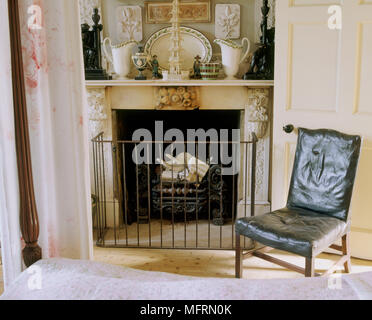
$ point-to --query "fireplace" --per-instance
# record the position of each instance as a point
(174, 192)
(164, 188)
(146, 205)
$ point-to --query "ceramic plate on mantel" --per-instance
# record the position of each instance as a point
(193, 43)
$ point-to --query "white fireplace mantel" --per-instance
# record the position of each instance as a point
(199, 83)
(107, 95)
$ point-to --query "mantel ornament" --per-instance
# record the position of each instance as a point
(92, 49)
(140, 61)
(262, 65)
(120, 56)
(232, 55)
(193, 11)
(129, 23)
(257, 109)
(86, 8)
(177, 98)
(175, 44)
(227, 21)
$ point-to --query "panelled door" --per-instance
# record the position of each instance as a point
(323, 79)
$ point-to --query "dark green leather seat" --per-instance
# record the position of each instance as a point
(294, 230)
(317, 211)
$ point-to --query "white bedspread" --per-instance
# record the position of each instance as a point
(75, 279)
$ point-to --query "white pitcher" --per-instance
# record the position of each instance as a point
(232, 55)
(120, 56)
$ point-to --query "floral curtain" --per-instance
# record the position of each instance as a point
(57, 114)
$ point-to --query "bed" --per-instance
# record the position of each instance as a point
(65, 279)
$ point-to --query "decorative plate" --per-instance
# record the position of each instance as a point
(193, 43)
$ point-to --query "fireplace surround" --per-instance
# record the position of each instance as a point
(118, 108)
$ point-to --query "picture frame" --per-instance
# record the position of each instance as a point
(159, 12)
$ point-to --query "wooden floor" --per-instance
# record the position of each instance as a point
(213, 263)
(178, 235)
(218, 264)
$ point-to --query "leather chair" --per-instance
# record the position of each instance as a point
(317, 212)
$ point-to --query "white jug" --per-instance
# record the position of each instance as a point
(120, 57)
(232, 56)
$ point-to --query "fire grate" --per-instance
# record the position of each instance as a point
(188, 201)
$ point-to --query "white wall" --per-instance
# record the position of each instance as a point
(250, 20)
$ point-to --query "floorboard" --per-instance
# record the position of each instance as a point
(209, 263)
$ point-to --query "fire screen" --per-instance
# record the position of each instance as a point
(166, 194)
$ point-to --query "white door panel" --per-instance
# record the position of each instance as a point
(323, 79)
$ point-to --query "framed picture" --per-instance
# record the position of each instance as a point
(190, 11)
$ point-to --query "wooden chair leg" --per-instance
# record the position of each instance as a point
(346, 252)
(309, 267)
(238, 258)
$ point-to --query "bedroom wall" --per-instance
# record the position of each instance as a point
(247, 20)
(250, 20)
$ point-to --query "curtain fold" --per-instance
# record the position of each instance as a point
(57, 112)
(10, 235)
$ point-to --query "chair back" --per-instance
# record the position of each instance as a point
(324, 171)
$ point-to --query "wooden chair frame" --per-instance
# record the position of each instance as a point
(308, 271)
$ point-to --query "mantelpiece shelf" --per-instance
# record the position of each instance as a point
(199, 83)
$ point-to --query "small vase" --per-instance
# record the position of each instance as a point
(140, 61)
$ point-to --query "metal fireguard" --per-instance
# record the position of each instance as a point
(155, 210)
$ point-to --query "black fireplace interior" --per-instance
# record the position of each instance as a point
(147, 196)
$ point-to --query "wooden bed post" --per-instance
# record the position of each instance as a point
(28, 213)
